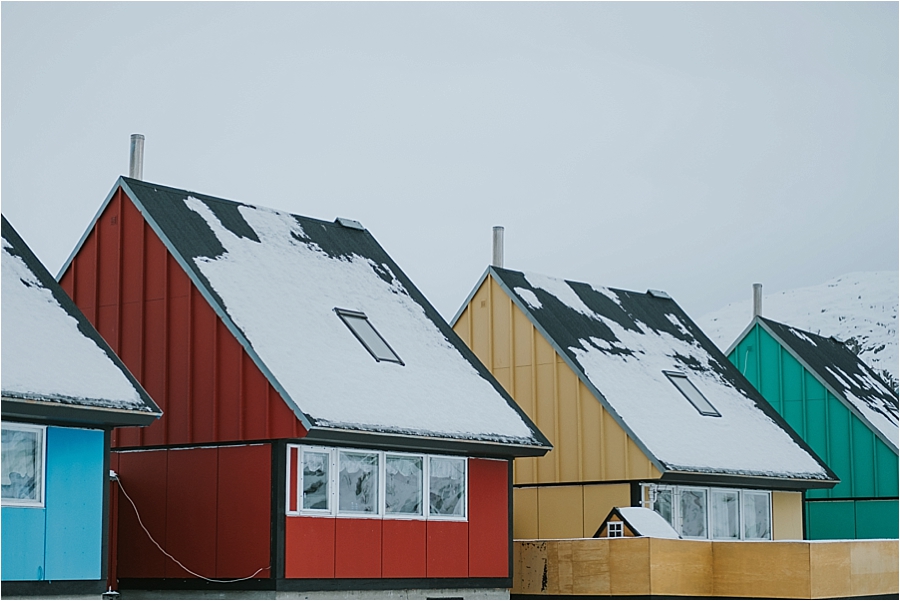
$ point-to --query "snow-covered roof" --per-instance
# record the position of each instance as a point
(847, 375)
(622, 344)
(646, 522)
(54, 361)
(277, 279)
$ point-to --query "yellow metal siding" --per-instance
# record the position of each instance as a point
(787, 515)
(599, 499)
(589, 446)
(525, 513)
(560, 511)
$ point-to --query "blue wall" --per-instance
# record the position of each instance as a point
(62, 540)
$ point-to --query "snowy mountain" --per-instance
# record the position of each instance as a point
(861, 306)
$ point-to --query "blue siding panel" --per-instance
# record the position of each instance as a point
(74, 504)
(23, 543)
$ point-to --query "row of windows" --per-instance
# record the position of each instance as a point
(22, 474)
(713, 513)
(348, 482)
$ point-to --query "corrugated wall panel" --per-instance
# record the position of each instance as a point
(145, 306)
(243, 517)
(488, 518)
(588, 444)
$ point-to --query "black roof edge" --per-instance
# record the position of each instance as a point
(412, 443)
(56, 413)
(746, 481)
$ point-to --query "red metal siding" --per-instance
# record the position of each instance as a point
(448, 549)
(145, 306)
(403, 549)
(243, 519)
(293, 458)
(143, 476)
(309, 547)
(357, 548)
(191, 511)
(208, 507)
(488, 518)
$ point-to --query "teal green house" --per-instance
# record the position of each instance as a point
(843, 410)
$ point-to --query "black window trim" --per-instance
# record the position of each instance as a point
(359, 314)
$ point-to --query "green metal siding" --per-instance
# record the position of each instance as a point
(867, 467)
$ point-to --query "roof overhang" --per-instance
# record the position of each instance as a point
(56, 412)
(745, 480)
(422, 443)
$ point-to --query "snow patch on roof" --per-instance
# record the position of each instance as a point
(743, 440)
(529, 297)
(802, 336)
(561, 290)
(647, 522)
(877, 410)
(46, 356)
(281, 293)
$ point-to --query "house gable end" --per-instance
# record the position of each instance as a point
(146, 305)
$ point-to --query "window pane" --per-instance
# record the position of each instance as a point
(690, 392)
(21, 464)
(315, 480)
(756, 515)
(693, 513)
(403, 485)
(725, 514)
(663, 505)
(364, 329)
(358, 488)
(447, 486)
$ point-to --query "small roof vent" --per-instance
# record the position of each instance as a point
(351, 223)
(658, 293)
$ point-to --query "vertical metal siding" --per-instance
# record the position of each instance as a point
(866, 466)
(588, 444)
(145, 306)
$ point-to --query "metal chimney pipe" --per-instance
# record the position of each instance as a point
(757, 300)
(498, 246)
(136, 161)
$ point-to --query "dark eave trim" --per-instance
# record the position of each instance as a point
(413, 443)
(40, 411)
(838, 395)
(745, 481)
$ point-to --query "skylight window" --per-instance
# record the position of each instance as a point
(690, 392)
(368, 335)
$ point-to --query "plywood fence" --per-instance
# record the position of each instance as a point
(650, 566)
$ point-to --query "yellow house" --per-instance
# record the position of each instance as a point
(642, 410)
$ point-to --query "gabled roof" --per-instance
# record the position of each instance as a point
(276, 281)
(621, 344)
(56, 367)
(641, 521)
(843, 373)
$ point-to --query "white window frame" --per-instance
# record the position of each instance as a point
(649, 495)
(381, 513)
(771, 525)
(41, 470)
(677, 499)
(465, 500)
(424, 500)
(712, 493)
(619, 529)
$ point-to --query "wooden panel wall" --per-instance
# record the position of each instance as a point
(145, 306)
(667, 568)
(588, 445)
(787, 515)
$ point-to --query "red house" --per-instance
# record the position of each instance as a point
(323, 427)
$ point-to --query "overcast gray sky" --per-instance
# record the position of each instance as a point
(694, 148)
